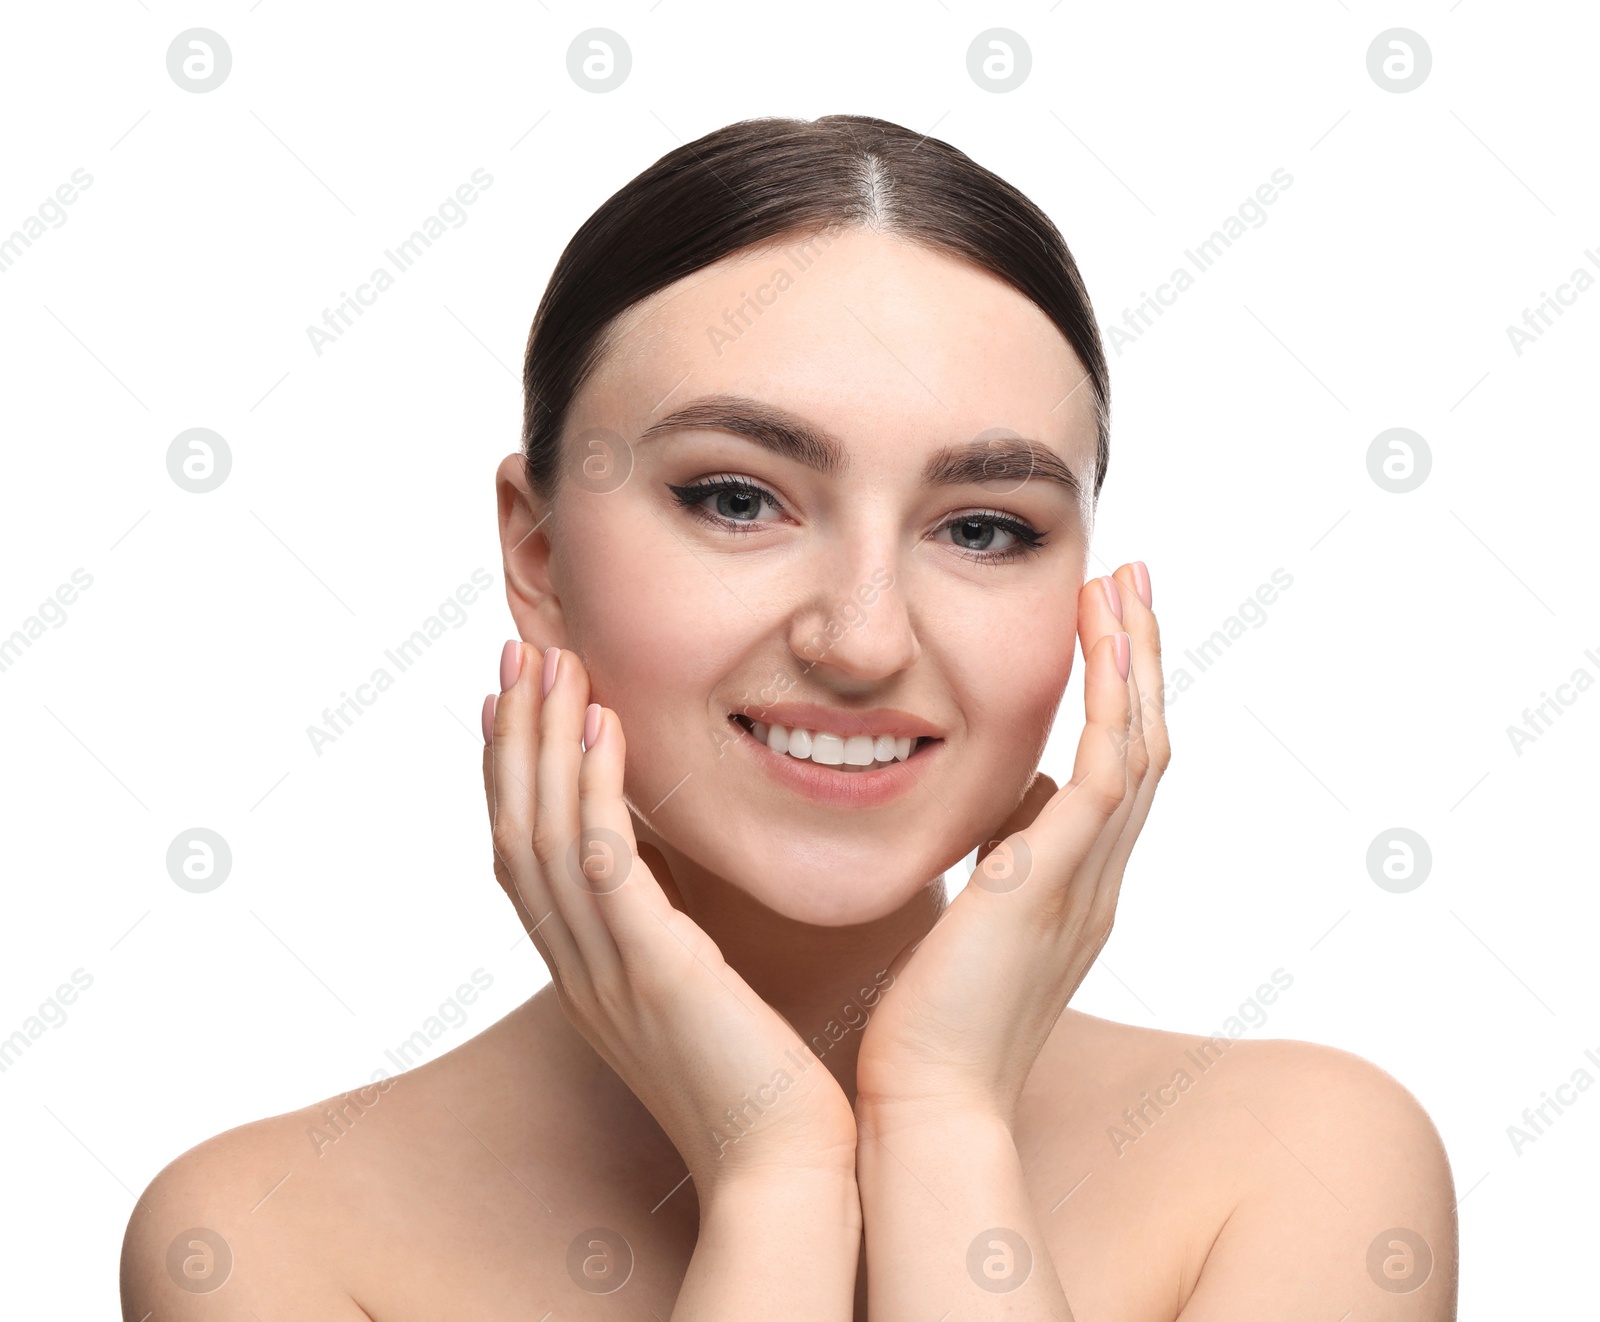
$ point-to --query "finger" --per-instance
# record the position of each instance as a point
(1126, 602)
(1138, 758)
(629, 897)
(1095, 896)
(1062, 839)
(1145, 633)
(1099, 613)
(1099, 770)
(510, 778)
(502, 869)
(1147, 740)
(555, 828)
(661, 870)
(1107, 709)
(1139, 620)
(1039, 792)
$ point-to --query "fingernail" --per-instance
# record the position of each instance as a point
(488, 718)
(552, 660)
(1122, 646)
(1141, 581)
(510, 663)
(591, 725)
(1113, 597)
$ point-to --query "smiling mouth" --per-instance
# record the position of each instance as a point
(847, 753)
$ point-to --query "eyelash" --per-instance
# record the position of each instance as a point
(691, 498)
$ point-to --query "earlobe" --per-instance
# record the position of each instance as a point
(526, 552)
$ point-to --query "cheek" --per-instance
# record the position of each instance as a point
(653, 624)
(1033, 688)
(1016, 686)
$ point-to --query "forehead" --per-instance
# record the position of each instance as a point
(889, 345)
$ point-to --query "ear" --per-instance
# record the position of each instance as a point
(525, 553)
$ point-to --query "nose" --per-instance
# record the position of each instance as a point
(857, 626)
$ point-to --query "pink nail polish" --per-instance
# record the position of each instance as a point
(552, 661)
(510, 663)
(591, 725)
(1141, 580)
(1122, 647)
(1113, 597)
(488, 718)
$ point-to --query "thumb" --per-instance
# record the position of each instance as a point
(1039, 792)
(657, 863)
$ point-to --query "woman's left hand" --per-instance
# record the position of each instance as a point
(972, 1004)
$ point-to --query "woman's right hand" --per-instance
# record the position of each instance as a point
(637, 977)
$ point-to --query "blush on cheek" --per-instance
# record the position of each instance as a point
(658, 636)
(1034, 682)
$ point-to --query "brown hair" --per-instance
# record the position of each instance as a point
(761, 180)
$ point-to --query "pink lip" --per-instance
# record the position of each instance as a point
(841, 789)
(843, 720)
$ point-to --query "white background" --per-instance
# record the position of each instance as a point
(218, 627)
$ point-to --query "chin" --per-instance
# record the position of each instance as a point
(807, 877)
(846, 894)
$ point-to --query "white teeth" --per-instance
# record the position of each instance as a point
(827, 749)
(857, 751)
(832, 750)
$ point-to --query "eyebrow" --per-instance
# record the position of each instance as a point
(1004, 458)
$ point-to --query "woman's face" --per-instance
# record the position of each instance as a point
(825, 524)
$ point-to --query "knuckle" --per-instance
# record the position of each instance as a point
(1102, 936)
(1138, 760)
(501, 836)
(502, 873)
(1153, 627)
(505, 711)
(547, 846)
(610, 1003)
(1107, 789)
(510, 846)
(573, 991)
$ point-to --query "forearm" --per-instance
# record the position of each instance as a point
(775, 1248)
(950, 1230)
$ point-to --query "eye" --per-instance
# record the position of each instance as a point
(734, 503)
(991, 536)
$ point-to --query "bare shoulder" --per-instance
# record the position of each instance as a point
(340, 1210)
(1347, 1191)
(1311, 1180)
(205, 1240)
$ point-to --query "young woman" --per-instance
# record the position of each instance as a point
(796, 549)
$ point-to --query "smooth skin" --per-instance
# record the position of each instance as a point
(929, 1124)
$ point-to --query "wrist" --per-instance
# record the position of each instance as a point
(741, 1164)
(956, 1148)
(930, 1117)
(824, 1195)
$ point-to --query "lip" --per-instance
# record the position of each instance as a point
(829, 785)
(842, 720)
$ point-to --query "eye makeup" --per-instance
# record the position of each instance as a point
(738, 502)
